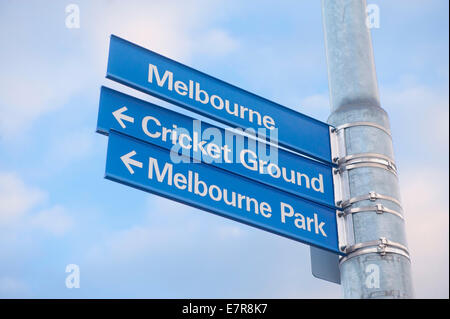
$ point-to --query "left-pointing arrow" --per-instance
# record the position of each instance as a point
(120, 117)
(128, 161)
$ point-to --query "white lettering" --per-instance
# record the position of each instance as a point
(194, 92)
(153, 164)
(145, 127)
(167, 75)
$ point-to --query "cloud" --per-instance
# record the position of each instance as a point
(426, 205)
(36, 77)
(13, 288)
(420, 125)
(70, 147)
(33, 88)
(229, 232)
(317, 106)
(421, 115)
(217, 42)
(183, 252)
(41, 74)
(174, 29)
(16, 198)
(19, 204)
(166, 226)
(169, 234)
(54, 220)
(26, 220)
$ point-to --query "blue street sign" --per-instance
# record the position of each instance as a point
(222, 148)
(149, 167)
(179, 84)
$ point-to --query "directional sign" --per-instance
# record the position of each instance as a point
(222, 148)
(150, 168)
(179, 84)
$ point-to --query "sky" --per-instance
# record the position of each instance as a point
(56, 208)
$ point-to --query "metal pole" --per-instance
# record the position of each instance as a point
(378, 263)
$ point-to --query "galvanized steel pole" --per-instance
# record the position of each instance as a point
(378, 263)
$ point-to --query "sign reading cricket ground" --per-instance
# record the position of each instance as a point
(179, 84)
(150, 168)
(210, 144)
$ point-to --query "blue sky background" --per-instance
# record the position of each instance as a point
(56, 208)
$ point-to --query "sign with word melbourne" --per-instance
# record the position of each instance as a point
(179, 84)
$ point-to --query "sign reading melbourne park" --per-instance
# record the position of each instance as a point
(150, 168)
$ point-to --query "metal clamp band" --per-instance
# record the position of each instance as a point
(381, 246)
(348, 125)
(374, 250)
(382, 242)
(378, 208)
(372, 196)
(366, 160)
(353, 166)
(352, 158)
